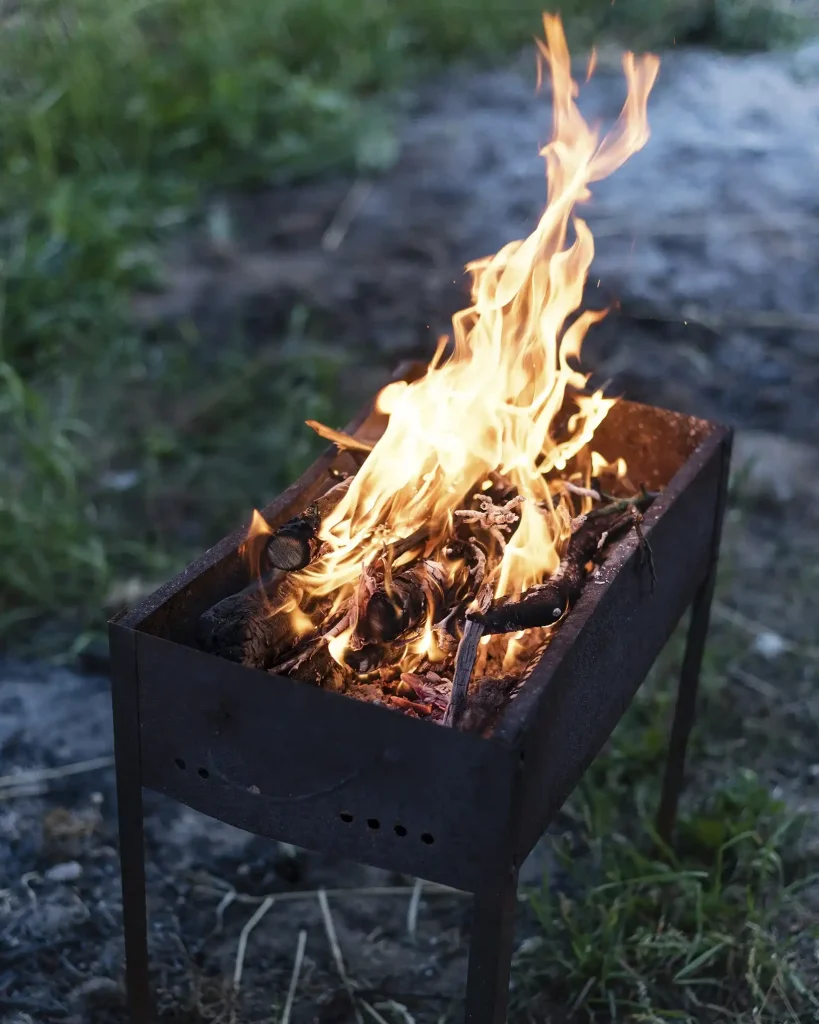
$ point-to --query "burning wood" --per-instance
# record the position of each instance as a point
(399, 604)
(295, 544)
(392, 576)
(545, 604)
(241, 627)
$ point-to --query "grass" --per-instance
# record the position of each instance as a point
(721, 928)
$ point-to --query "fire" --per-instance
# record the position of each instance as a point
(492, 406)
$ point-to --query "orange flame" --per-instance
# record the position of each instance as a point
(492, 405)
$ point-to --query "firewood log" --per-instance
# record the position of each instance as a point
(296, 543)
(246, 627)
(389, 613)
(544, 604)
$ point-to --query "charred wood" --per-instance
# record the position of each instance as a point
(390, 611)
(320, 669)
(464, 662)
(295, 544)
(545, 604)
(245, 628)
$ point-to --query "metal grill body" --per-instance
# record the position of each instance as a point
(292, 762)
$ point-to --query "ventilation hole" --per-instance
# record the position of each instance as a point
(373, 823)
(203, 773)
(522, 757)
(346, 817)
(428, 838)
(400, 831)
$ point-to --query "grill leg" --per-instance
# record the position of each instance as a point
(131, 838)
(692, 663)
(490, 952)
(685, 709)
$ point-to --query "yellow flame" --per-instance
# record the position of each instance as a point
(492, 405)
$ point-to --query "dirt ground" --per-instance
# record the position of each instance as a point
(709, 241)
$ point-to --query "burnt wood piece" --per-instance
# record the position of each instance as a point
(392, 611)
(295, 544)
(544, 604)
(320, 669)
(245, 627)
(464, 663)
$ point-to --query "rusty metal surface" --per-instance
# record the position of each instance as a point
(609, 641)
(287, 760)
(315, 756)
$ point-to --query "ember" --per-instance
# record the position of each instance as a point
(485, 499)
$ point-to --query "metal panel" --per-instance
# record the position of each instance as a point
(283, 759)
(590, 673)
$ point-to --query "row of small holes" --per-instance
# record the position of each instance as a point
(375, 824)
(181, 764)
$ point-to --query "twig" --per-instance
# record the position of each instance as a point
(400, 547)
(464, 663)
(345, 442)
(349, 209)
(430, 889)
(20, 792)
(224, 903)
(546, 603)
(37, 775)
(398, 1008)
(581, 492)
(376, 1016)
(330, 929)
(412, 909)
(243, 937)
(294, 977)
(492, 517)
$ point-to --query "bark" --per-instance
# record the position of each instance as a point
(245, 627)
(295, 544)
(546, 603)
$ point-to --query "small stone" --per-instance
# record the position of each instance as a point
(530, 945)
(770, 645)
(70, 871)
(779, 469)
(97, 991)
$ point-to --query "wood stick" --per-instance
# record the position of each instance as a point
(545, 604)
(246, 627)
(295, 544)
(464, 662)
(344, 442)
(405, 544)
